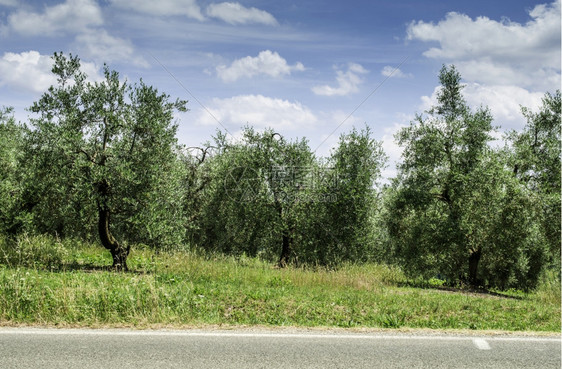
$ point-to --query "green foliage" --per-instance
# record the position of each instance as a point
(11, 145)
(502, 215)
(104, 146)
(455, 210)
(536, 157)
(270, 197)
(344, 224)
(252, 196)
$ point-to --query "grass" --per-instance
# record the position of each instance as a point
(65, 283)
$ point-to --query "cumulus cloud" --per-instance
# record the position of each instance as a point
(235, 13)
(489, 51)
(267, 62)
(487, 71)
(102, 47)
(348, 82)
(394, 72)
(461, 37)
(505, 64)
(80, 17)
(188, 8)
(30, 71)
(259, 111)
(70, 16)
(9, 2)
(504, 102)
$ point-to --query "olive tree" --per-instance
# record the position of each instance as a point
(272, 197)
(106, 150)
(536, 162)
(11, 148)
(347, 200)
(455, 209)
(251, 202)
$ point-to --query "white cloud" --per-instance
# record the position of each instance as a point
(258, 111)
(461, 37)
(489, 51)
(235, 13)
(427, 102)
(80, 17)
(487, 71)
(9, 2)
(102, 47)
(28, 71)
(31, 71)
(267, 62)
(504, 102)
(188, 8)
(70, 16)
(505, 64)
(348, 82)
(394, 72)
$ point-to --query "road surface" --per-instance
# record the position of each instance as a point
(79, 348)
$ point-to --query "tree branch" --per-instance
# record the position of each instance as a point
(204, 152)
(89, 157)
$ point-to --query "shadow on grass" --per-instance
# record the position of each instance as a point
(77, 267)
(483, 292)
(92, 268)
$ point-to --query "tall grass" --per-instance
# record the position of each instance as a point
(65, 282)
(33, 252)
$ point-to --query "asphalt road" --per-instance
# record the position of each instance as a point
(65, 348)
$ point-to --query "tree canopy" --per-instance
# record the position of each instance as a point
(456, 210)
(105, 150)
(536, 162)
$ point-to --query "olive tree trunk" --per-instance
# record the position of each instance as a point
(118, 252)
(285, 251)
(473, 261)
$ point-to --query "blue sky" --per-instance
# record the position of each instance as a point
(300, 67)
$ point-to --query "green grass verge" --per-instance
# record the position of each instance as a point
(63, 283)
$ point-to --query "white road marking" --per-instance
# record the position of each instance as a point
(481, 344)
(478, 341)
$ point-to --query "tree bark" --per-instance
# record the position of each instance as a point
(473, 261)
(286, 239)
(285, 251)
(118, 252)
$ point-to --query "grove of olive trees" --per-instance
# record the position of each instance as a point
(101, 161)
